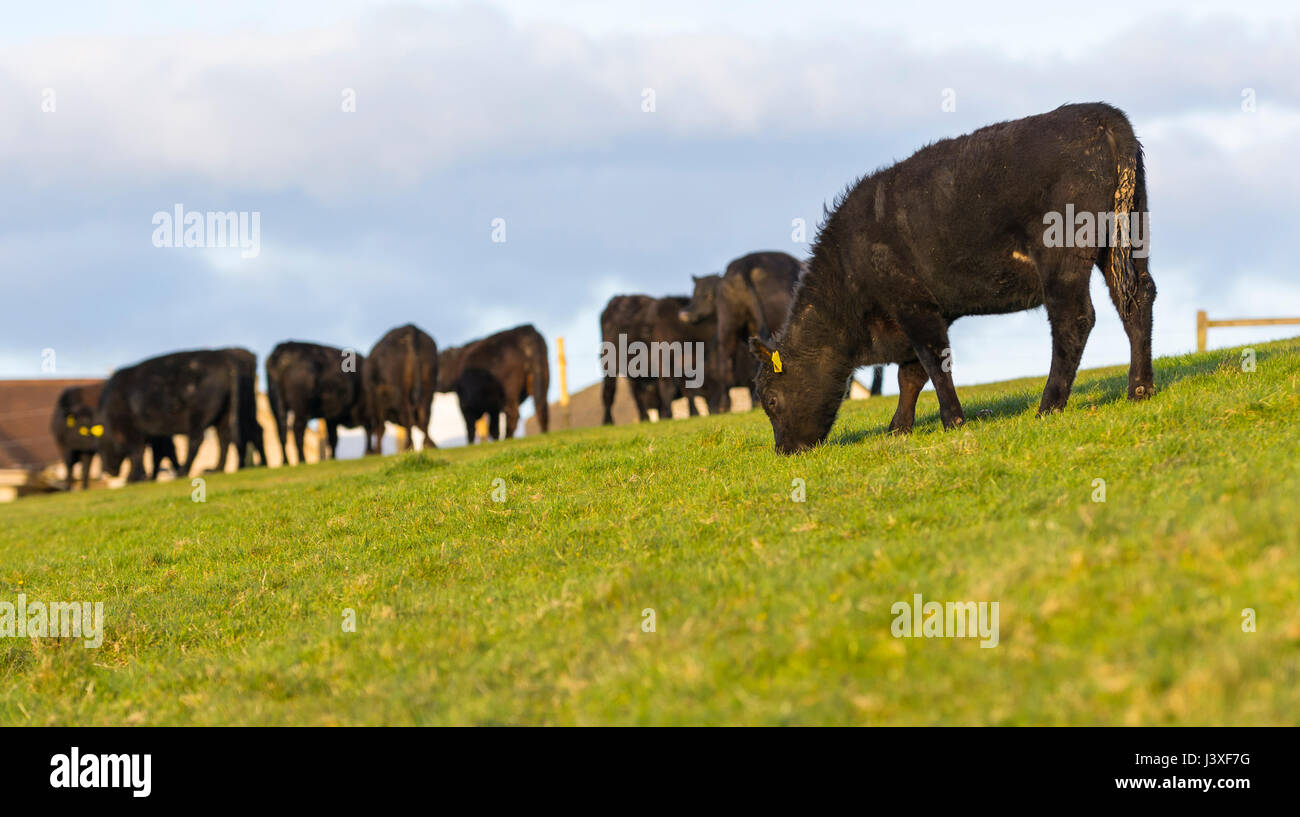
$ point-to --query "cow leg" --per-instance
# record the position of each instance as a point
(192, 443)
(1137, 324)
(223, 445)
(424, 418)
(69, 460)
(87, 457)
(1070, 312)
(494, 424)
(607, 390)
(638, 397)
(928, 333)
(538, 385)
(877, 380)
(470, 431)
(135, 471)
(667, 391)
(282, 430)
(332, 434)
(911, 379)
(512, 418)
(300, 436)
(259, 445)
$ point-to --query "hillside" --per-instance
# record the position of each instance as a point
(468, 610)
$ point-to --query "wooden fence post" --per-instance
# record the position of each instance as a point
(1202, 324)
(564, 380)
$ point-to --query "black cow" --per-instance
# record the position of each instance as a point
(480, 393)
(724, 375)
(642, 319)
(179, 393)
(399, 375)
(963, 227)
(625, 315)
(517, 359)
(691, 344)
(76, 430)
(250, 430)
(312, 380)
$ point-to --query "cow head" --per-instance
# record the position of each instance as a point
(112, 451)
(801, 400)
(703, 304)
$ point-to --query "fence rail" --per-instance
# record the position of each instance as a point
(1203, 323)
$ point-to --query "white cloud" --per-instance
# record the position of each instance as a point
(262, 110)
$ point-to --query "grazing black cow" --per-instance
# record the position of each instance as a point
(642, 319)
(691, 345)
(179, 393)
(77, 433)
(480, 393)
(399, 375)
(963, 227)
(250, 430)
(625, 315)
(702, 312)
(517, 358)
(312, 380)
(76, 430)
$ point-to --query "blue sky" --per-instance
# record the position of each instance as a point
(531, 112)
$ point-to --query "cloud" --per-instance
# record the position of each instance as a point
(434, 87)
(382, 216)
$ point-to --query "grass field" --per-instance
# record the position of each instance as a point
(767, 610)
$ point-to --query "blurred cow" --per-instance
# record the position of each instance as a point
(400, 375)
(250, 430)
(77, 433)
(516, 359)
(312, 380)
(179, 393)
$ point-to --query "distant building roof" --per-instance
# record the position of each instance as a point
(25, 408)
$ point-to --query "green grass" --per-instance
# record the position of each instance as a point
(768, 611)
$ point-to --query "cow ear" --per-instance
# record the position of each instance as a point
(765, 351)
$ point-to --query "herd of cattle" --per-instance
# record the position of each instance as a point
(185, 393)
(956, 229)
(144, 406)
(751, 297)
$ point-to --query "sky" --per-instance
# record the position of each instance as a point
(469, 116)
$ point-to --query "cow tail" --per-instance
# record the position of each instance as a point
(233, 419)
(412, 369)
(763, 331)
(541, 383)
(1123, 276)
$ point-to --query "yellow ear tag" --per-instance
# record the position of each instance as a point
(776, 362)
(97, 430)
(72, 421)
(83, 431)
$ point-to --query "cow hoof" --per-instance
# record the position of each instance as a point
(983, 414)
(1142, 392)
